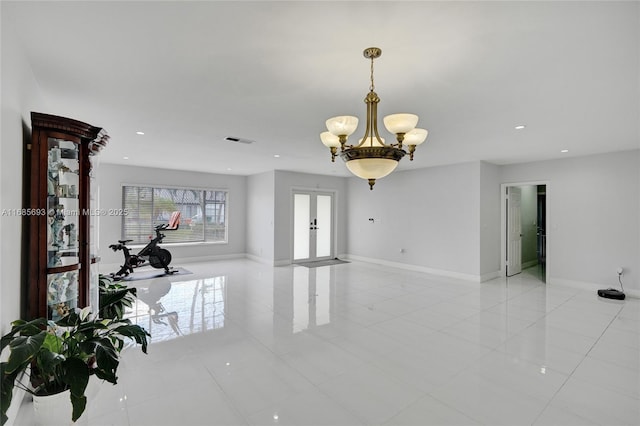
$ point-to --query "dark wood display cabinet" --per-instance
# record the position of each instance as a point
(61, 217)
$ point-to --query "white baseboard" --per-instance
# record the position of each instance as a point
(258, 259)
(529, 264)
(490, 276)
(584, 285)
(433, 271)
(107, 268)
(208, 258)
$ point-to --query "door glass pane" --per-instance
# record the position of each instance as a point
(301, 219)
(323, 241)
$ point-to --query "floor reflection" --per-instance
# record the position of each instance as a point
(172, 309)
(311, 297)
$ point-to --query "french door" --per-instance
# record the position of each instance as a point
(313, 214)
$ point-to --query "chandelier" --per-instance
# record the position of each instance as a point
(371, 158)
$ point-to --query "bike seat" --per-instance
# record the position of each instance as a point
(124, 241)
(174, 223)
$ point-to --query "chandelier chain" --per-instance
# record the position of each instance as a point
(372, 87)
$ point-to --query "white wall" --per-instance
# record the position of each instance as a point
(489, 220)
(593, 216)
(111, 177)
(285, 182)
(20, 95)
(260, 217)
(432, 214)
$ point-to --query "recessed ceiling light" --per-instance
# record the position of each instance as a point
(277, 155)
(229, 168)
(139, 133)
(520, 127)
(564, 150)
(125, 158)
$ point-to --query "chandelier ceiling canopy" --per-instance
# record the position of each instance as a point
(372, 158)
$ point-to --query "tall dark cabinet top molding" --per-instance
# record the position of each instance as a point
(97, 137)
(59, 257)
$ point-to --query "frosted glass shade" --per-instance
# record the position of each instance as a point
(415, 137)
(343, 125)
(330, 140)
(371, 141)
(371, 168)
(400, 123)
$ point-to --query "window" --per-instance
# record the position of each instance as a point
(204, 214)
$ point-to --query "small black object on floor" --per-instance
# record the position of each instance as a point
(146, 274)
(611, 293)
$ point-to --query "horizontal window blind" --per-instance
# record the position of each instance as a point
(203, 214)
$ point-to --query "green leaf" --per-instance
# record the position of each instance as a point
(48, 361)
(114, 298)
(70, 320)
(135, 332)
(23, 328)
(107, 360)
(6, 390)
(76, 375)
(23, 349)
(79, 404)
(53, 343)
(84, 313)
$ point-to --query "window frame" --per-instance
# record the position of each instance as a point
(203, 205)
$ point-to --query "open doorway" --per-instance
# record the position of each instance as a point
(524, 229)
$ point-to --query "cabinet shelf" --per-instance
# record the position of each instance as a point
(62, 269)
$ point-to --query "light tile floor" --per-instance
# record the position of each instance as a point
(241, 343)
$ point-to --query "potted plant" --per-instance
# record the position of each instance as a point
(114, 297)
(61, 356)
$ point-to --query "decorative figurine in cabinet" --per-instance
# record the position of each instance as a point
(59, 265)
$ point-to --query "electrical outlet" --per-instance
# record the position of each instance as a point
(620, 270)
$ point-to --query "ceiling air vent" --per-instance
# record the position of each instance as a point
(238, 140)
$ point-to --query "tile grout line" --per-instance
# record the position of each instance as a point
(570, 375)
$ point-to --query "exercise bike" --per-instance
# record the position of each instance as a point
(155, 255)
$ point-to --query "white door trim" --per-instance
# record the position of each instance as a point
(503, 224)
(514, 231)
(334, 216)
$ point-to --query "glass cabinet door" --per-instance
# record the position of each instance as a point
(62, 226)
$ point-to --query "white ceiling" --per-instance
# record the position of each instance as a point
(189, 74)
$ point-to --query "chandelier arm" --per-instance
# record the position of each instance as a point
(343, 141)
(367, 127)
(412, 149)
(375, 124)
